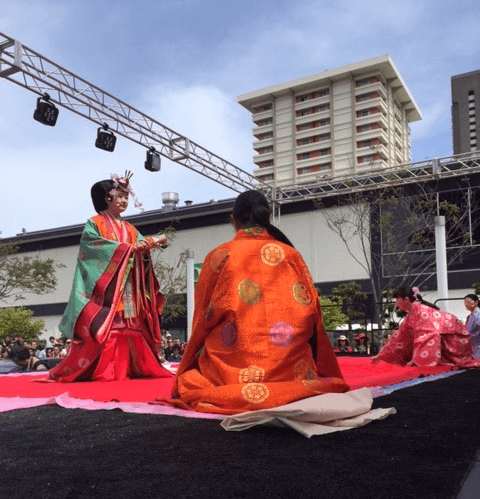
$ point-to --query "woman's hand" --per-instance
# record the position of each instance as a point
(375, 360)
(140, 246)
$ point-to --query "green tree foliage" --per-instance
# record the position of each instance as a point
(351, 299)
(172, 280)
(24, 274)
(19, 320)
(332, 314)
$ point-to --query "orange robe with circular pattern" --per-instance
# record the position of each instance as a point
(257, 330)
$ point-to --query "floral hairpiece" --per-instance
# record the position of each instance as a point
(123, 183)
(415, 291)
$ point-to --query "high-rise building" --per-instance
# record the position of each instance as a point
(466, 112)
(341, 121)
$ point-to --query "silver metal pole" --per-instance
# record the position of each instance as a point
(441, 255)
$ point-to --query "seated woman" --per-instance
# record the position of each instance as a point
(113, 312)
(343, 345)
(361, 344)
(473, 322)
(257, 337)
(427, 336)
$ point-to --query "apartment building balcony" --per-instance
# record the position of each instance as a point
(372, 133)
(265, 156)
(377, 87)
(320, 143)
(372, 102)
(262, 115)
(262, 127)
(321, 114)
(259, 144)
(373, 115)
(318, 101)
(371, 147)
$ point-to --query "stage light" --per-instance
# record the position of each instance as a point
(105, 139)
(46, 112)
(153, 161)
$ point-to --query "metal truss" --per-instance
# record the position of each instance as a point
(29, 69)
(423, 171)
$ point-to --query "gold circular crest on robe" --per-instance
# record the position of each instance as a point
(251, 374)
(301, 294)
(272, 254)
(255, 393)
(249, 292)
(218, 260)
(301, 369)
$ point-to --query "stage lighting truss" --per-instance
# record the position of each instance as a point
(45, 112)
(153, 162)
(105, 139)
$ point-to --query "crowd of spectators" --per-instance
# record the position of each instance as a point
(34, 355)
(41, 355)
(171, 349)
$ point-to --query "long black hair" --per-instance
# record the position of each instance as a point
(251, 209)
(404, 292)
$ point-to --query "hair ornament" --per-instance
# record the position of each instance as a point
(415, 292)
(123, 184)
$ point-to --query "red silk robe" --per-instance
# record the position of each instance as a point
(113, 312)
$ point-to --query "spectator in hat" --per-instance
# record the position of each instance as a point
(343, 345)
(361, 344)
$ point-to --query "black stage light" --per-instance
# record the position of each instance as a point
(153, 162)
(105, 140)
(46, 112)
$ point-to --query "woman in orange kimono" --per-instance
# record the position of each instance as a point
(257, 338)
(113, 312)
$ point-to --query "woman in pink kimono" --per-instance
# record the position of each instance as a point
(427, 336)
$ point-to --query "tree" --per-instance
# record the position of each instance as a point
(173, 281)
(332, 314)
(19, 320)
(350, 297)
(389, 232)
(27, 274)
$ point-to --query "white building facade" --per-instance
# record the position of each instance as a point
(342, 121)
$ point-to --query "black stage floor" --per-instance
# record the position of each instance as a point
(426, 450)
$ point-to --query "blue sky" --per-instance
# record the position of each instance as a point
(184, 63)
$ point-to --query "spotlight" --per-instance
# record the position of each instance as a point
(105, 140)
(153, 162)
(46, 112)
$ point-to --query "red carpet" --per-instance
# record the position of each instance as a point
(358, 373)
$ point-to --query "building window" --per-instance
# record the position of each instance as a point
(266, 121)
(368, 143)
(265, 178)
(368, 159)
(313, 154)
(367, 112)
(312, 95)
(265, 150)
(366, 81)
(261, 109)
(265, 164)
(366, 97)
(314, 168)
(313, 139)
(368, 127)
